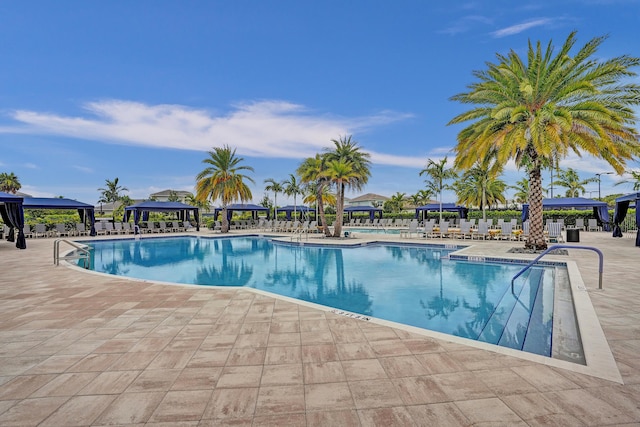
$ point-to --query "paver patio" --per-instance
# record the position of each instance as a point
(78, 348)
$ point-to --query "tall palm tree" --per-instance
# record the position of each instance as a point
(547, 107)
(223, 179)
(438, 174)
(292, 188)
(348, 152)
(9, 183)
(276, 187)
(111, 193)
(572, 182)
(312, 172)
(341, 173)
(479, 186)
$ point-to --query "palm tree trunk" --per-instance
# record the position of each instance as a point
(337, 227)
(225, 221)
(536, 240)
(320, 204)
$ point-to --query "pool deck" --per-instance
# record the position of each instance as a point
(80, 348)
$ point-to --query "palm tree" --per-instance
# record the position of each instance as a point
(544, 109)
(571, 181)
(341, 173)
(312, 172)
(111, 193)
(438, 174)
(478, 186)
(292, 188)
(223, 179)
(635, 180)
(276, 187)
(396, 202)
(347, 152)
(522, 191)
(9, 183)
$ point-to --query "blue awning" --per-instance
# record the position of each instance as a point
(142, 209)
(600, 209)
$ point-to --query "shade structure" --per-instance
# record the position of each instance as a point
(241, 207)
(372, 211)
(12, 214)
(600, 209)
(622, 206)
(141, 211)
(446, 207)
(289, 209)
(85, 210)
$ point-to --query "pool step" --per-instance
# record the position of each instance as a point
(517, 320)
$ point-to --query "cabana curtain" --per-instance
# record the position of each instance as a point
(141, 212)
(13, 215)
(622, 207)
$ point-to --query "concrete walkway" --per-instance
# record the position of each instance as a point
(80, 349)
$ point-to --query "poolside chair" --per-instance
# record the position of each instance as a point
(427, 229)
(61, 230)
(482, 231)
(593, 225)
(444, 229)
(579, 223)
(40, 231)
(413, 229)
(27, 231)
(465, 231)
(555, 232)
(506, 231)
(499, 224)
(525, 230)
(117, 228)
(561, 222)
(126, 228)
(108, 227)
(81, 230)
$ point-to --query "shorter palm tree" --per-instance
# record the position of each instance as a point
(223, 179)
(292, 188)
(438, 174)
(9, 183)
(572, 182)
(111, 193)
(276, 187)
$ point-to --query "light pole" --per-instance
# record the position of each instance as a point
(600, 179)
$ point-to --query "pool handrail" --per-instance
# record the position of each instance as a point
(551, 248)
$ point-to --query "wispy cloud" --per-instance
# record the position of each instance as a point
(269, 128)
(83, 169)
(464, 24)
(518, 28)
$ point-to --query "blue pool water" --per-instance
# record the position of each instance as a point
(415, 285)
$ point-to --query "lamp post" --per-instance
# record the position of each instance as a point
(600, 179)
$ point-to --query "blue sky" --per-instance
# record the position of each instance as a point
(140, 90)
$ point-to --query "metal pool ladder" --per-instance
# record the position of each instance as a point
(549, 249)
(83, 253)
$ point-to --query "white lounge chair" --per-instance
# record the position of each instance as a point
(81, 230)
(506, 231)
(593, 225)
(413, 229)
(482, 231)
(465, 230)
(555, 232)
(579, 223)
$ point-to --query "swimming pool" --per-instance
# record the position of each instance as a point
(416, 285)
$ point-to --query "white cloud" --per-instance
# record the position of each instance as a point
(518, 28)
(263, 128)
(83, 169)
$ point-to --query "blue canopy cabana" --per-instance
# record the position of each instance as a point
(288, 210)
(141, 211)
(241, 207)
(85, 210)
(12, 213)
(446, 207)
(600, 209)
(368, 209)
(622, 206)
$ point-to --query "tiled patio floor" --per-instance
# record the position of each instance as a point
(82, 349)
